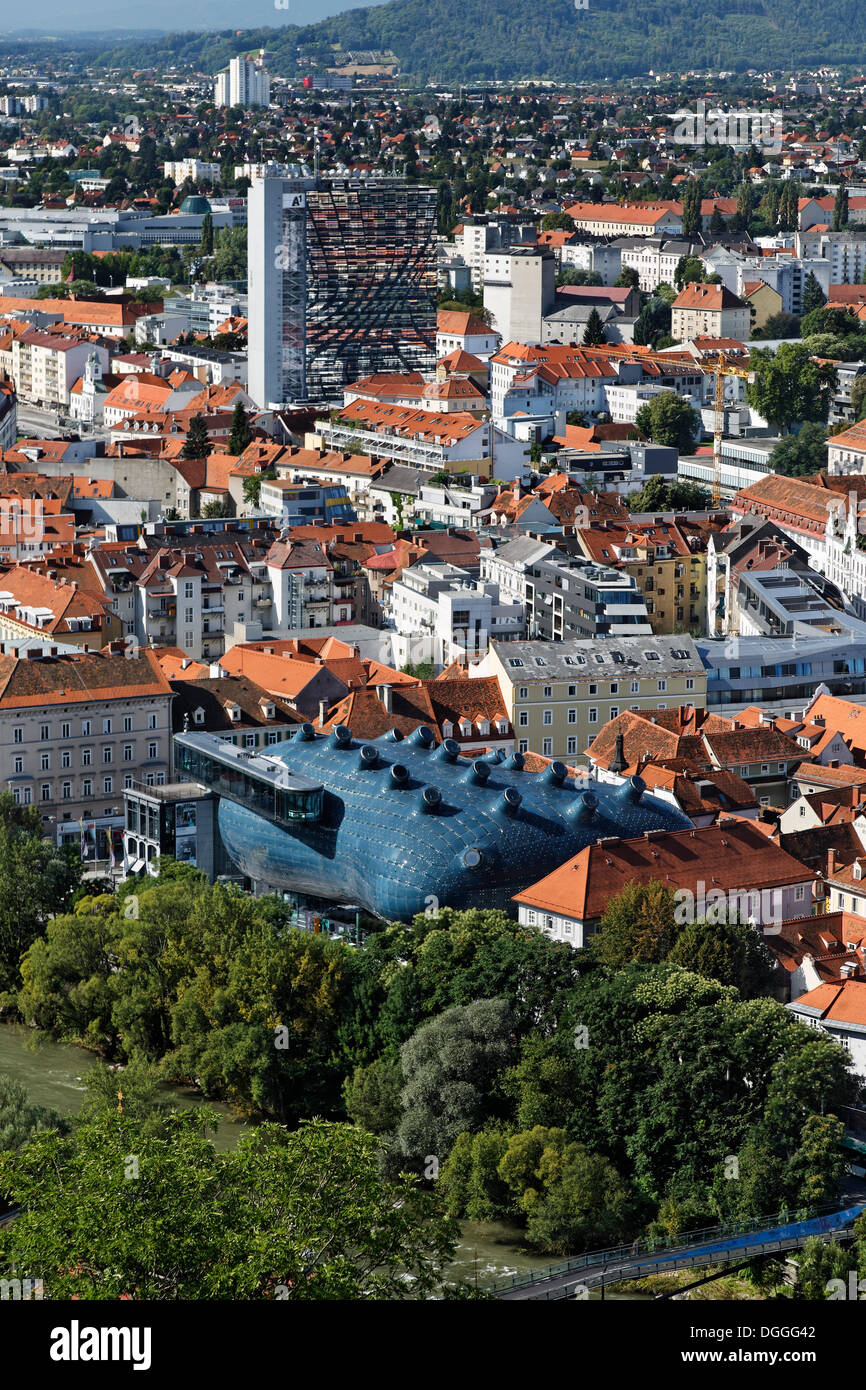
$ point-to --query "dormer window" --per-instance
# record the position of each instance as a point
(234, 713)
(447, 729)
(198, 716)
(858, 869)
(466, 728)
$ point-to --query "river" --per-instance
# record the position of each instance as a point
(53, 1074)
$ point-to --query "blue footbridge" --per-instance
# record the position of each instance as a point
(721, 1246)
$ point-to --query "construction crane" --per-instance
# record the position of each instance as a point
(723, 368)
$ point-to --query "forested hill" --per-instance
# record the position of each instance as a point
(451, 41)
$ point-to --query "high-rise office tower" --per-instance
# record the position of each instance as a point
(342, 283)
(243, 84)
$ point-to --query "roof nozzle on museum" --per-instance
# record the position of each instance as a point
(556, 774)
(307, 733)
(478, 773)
(430, 801)
(369, 756)
(516, 762)
(399, 776)
(631, 790)
(583, 808)
(449, 750)
(422, 737)
(342, 736)
(509, 802)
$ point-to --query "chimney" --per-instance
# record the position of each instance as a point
(831, 862)
(323, 711)
(386, 696)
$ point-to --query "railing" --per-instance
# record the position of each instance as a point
(674, 1245)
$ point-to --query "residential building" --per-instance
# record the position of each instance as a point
(243, 84)
(442, 613)
(730, 867)
(566, 596)
(78, 729)
(708, 309)
(323, 252)
(559, 694)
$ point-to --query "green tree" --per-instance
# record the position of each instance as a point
(813, 296)
(840, 208)
(802, 454)
(670, 420)
(858, 396)
(110, 1211)
(689, 271)
(36, 880)
(452, 1066)
(731, 952)
(197, 444)
(780, 325)
(691, 200)
(638, 924)
(557, 222)
(241, 434)
(252, 485)
(788, 387)
(628, 278)
(593, 333)
(19, 1119)
(217, 507)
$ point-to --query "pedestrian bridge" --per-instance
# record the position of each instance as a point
(716, 1245)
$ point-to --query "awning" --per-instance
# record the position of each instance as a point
(136, 867)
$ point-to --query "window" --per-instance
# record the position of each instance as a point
(44, 762)
(188, 615)
(106, 726)
(128, 779)
(572, 716)
(65, 730)
(547, 717)
(272, 736)
(523, 746)
(86, 728)
(107, 753)
(127, 752)
(153, 721)
(249, 740)
(663, 685)
(45, 791)
(153, 750)
(548, 691)
(800, 892)
(765, 767)
(547, 747)
(593, 715)
(108, 785)
(188, 588)
(635, 687)
(593, 689)
(523, 718)
(127, 723)
(19, 764)
(514, 661)
(572, 690)
(524, 692)
(690, 684)
(86, 757)
(44, 732)
(18, 734)
(66, 758)
(614, 688)
(614, 711)
(571, 746)
(87, 787)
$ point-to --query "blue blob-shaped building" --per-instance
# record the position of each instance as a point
(398, 825)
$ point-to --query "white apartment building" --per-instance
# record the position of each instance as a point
(196, 170)
(441, 614)
(844, 252)
(243, 84)
(45, 366)
(519, 289)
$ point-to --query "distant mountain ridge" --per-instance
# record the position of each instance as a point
(436, 40)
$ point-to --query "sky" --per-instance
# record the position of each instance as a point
(174, 15)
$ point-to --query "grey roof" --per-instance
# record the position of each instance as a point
(523, 551)
(401, 478)
(583, 659)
